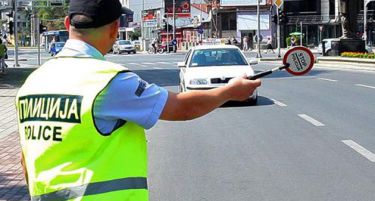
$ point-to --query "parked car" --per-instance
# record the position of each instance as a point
(121, 46)
(210, 66)
(329, 42)
(56, 47)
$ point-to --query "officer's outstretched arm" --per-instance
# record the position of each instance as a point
(194, 104)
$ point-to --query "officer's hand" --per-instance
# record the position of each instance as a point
(241, 88)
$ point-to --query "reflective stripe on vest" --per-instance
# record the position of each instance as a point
(93, 189)
(65, 155)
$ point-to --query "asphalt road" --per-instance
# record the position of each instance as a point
(309, 138)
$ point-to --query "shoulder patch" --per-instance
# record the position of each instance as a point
(141, 88)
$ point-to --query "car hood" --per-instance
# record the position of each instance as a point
(218, 72)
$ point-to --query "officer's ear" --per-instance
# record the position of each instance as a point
(114, 29)
(67, 23)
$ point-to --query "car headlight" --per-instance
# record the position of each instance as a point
(198, 82)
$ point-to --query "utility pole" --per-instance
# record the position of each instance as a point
(15, 34)
(174, 23)
(259, 55)
(301, 38)
(38, 38)
(142, 26)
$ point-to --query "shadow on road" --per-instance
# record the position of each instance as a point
(262, 101)
(161, 77)
(12, 192)
(14, 77)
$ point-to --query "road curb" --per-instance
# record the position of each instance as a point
(346, 60)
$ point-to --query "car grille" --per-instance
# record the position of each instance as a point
(220, 80)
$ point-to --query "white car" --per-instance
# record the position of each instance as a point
(210, 66)
(121, 46)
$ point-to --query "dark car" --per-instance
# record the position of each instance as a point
(56, 48)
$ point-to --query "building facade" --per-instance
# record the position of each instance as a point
(315, 19)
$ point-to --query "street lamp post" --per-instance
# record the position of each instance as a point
(259, 55)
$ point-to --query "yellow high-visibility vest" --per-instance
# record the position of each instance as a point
(66, 157)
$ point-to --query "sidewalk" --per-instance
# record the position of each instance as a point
(12, 183)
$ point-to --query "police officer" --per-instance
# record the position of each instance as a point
(82, 118)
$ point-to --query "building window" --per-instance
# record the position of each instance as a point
(302, 6)
(228, 21)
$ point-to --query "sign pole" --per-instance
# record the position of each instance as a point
(259, 55)
(278, 33)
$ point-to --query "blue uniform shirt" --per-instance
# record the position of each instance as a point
(126, 98)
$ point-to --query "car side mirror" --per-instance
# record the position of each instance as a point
(181, 64)
(252, 61)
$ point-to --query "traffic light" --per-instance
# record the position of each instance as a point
(11, 25)
(283, 19)
(42, 28)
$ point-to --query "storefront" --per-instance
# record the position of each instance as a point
(247, 25)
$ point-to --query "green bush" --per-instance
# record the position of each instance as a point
(358, 55)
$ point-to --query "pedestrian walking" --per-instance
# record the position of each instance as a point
(245, 45)
(293, 41)
(269, 45)
(3, 55)
(85, 138)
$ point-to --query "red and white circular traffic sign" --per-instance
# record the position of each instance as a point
(300, 60)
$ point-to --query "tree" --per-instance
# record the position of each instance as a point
(135, 35)
(53, 16)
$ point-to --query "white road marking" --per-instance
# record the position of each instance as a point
(311, 120)
(157, 68)
(367, 86)
(361, 150)
(326, 79)
(146, 63)
(164, 62)
(279, 103)
(137, 64)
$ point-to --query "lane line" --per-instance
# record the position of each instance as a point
(137, 64)
(163, 62)
(146, 63)
(366, 86)
(311, 120)
(157, 68)
(326, 79)
(279, 103)
(361, 150)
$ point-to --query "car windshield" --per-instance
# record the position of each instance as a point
(59, 44)
(124, 42)
(217, 57)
